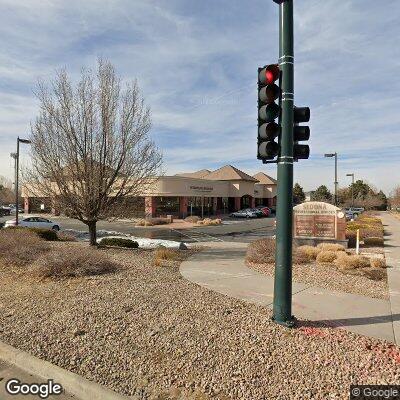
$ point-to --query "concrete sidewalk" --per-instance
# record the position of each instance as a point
(221, 268)
(392, 253)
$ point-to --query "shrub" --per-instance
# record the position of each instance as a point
(351, 236)
(21, 246)
(193, 219)
(143, 222)
(347, 262)
(119, 242)
(373, 241)
(46, 234)
(163, 254)
(209, 221)
(371, 232)
(331, 247)
(310, 252)
(160, 221)
(326, 256)
(66, 237)
(299, 257)
(153, 221)
(261, 251)
(378, 262)
(62, 263)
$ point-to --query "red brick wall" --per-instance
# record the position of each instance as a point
(183, 207)
(150, 207)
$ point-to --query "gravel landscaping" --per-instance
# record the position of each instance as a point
(328, 277)
(144, 331)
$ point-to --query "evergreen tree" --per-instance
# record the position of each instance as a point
(322, 194)
(298, 194)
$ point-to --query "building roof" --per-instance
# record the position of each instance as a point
(229, 173)
(265, 179)
(202, 174)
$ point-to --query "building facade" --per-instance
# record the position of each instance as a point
(203, 193)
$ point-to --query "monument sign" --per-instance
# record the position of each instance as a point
(316, 222)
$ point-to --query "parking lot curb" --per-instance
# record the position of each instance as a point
(73, 384)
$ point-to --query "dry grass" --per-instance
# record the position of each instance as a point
(373, 241)
(378, 262)
(152, 221)
(350, 262)
(369, 226)
(63, 263)
(331, 247)
(164, 256)
(21, 246)
(261, 251)
(209, 221)
(143, 222)
(66, 237)
(310, 252)
(193, 219)
(326, 256)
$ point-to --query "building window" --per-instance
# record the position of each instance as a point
(167, 206)
(200, 206)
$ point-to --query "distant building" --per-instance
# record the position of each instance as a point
(308, 195)
(202, 193)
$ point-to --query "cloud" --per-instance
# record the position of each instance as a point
(196, 64)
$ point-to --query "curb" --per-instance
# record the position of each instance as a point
(72, 383)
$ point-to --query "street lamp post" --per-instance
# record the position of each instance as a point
(26, 141)
(336, 179)
(352, 188)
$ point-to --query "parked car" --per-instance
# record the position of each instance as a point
(33, 222)
(5, 211)
(265, 210)
(12, 209)
(351, 215)
(247, 213)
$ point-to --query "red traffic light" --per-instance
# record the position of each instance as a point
(269, 74)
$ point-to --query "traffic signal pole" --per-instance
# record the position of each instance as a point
(282, 304)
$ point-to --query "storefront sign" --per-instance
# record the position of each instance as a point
(319, 220)
(202, 188)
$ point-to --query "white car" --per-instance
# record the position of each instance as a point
(33, 222)
(247, 213)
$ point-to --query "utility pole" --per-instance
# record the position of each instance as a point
(282, 303)
(17, 177)
(336, 178)
(352, 188)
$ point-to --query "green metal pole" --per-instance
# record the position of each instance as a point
(336, 181)
(282, 307)
(16, 185)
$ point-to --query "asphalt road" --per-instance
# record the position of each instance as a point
(237, 230)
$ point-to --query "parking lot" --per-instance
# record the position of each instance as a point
(243, 230)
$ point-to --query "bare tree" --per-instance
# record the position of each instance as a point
(6, 193)
(90, 144)
(395, 198)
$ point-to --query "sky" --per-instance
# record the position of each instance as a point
(196, 63)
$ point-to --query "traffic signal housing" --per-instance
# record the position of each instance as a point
(301, 133)
(268, 112)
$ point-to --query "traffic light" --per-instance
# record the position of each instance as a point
(301, 133)
(268, 112)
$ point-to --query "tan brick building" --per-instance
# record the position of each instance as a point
(203, 193)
